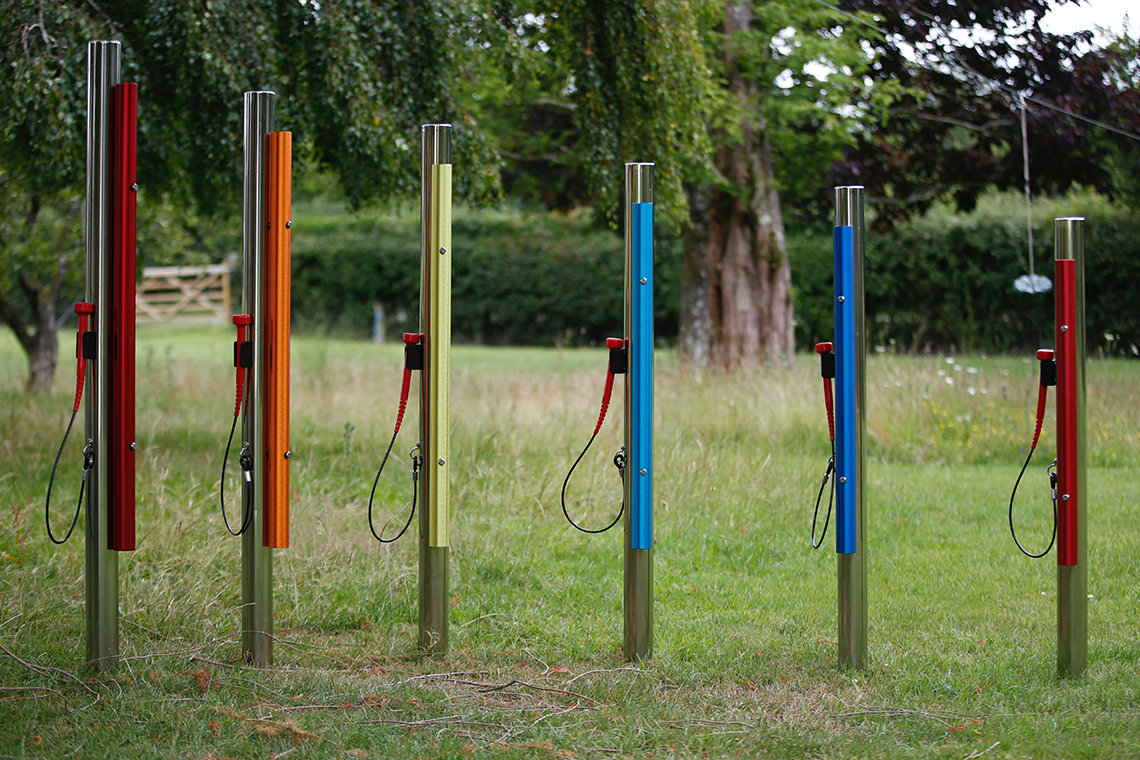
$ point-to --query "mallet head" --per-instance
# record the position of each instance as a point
(824, 348)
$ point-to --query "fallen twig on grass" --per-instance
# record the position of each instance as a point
(489, 687)
(450, 720)
(160, 655)
(43, 670)
(973, 755)
(608, 670)
(699, 722)
(896, 712)
(428, 676)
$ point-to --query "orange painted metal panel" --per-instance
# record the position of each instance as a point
(275, 387)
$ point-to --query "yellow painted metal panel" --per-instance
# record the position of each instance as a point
(439, 362)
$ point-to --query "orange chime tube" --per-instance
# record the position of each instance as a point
(275, 383)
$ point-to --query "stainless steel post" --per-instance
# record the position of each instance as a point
(637, 640)
(101, 580)
(1072, 579)
(435, 379)
(852, 568)
(256, 558)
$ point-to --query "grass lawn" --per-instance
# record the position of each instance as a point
(961, 635)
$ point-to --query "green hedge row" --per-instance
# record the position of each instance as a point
(945, 282)
(940, 283)
(516, 279)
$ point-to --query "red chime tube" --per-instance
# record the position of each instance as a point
(121, 319)
(1067, 495)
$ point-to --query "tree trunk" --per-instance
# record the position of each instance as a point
(751, 313)
(38, 339)
(696, 326)
(43, 356)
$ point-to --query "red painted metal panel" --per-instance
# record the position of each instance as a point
(121, 372)
(1067, 494)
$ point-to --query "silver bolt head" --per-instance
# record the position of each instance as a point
(841, 299)
(442, 249)
(1064, 328)
(289, 225)
(843, 480)
(133, 447)
(644, 280)
(644, 471)
(442, 463)
(1065, 497)
(288, 454)
(134, 187)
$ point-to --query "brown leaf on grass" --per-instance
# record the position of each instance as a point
(202, 678)
(356, 752)
(215, 729)
(560, 669)
(272, 728)
(454, 601)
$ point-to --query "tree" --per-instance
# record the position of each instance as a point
(355, 79)
(790, 74)
(968, 69)
(692, 87)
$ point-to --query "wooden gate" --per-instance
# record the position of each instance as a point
(184, 294)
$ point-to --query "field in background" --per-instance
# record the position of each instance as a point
(962, 626)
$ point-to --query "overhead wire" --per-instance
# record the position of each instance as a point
(1101, 124)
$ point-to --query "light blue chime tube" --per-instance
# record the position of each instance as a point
(638, 543)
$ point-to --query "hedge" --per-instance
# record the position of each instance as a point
(517, 279)
(940, 283)
(945, 282)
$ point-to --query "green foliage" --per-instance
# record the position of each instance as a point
(944, 282)
(642, 92)
(803, 85)
(526, 279)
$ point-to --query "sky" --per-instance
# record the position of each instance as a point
(1091, 14)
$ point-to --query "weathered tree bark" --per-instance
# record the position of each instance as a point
(37, 337)
(751, 312)
(696, 326)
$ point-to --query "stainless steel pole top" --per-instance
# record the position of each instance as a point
(436, 143)
(849, 206)
(1070, 243)
(639, 182)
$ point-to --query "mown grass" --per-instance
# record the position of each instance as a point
(962, 626)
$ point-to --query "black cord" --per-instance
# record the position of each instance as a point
(416, 462)
(246, 462)
(1013, 532)
(619, 462)
(830, 500)
(88, 461)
